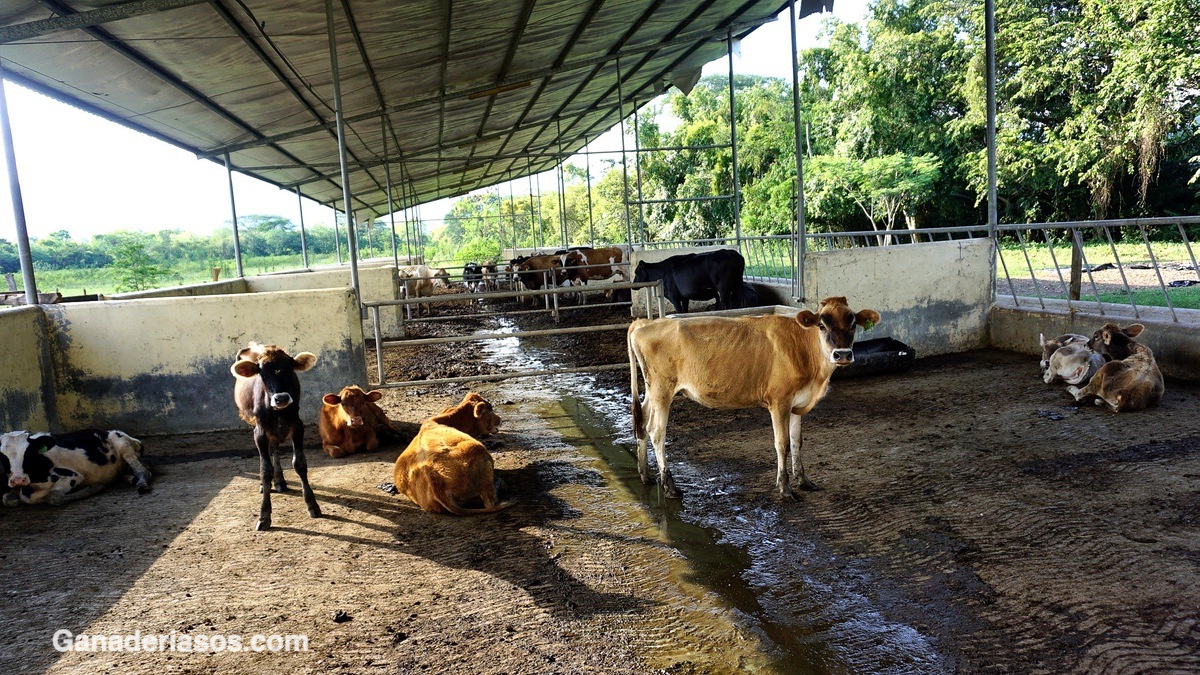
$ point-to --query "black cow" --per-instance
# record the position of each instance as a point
(698, 276)
(473, 277)
(267, 394)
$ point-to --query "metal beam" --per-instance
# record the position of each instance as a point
(436, 99)
(95, 17)
(18, 204)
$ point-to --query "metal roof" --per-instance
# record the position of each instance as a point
(446, 96)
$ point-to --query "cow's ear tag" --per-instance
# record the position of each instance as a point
(868, 325)
(42, 451)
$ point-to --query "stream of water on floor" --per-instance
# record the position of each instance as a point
(732, 545)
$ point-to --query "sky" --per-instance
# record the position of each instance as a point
(88, 176)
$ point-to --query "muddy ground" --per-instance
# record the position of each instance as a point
(972, 519)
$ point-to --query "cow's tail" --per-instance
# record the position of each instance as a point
(639, 422)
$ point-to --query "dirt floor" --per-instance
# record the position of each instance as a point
(972, 519)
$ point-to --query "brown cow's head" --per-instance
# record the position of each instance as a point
(1113, 341)
(276, 369)
(837, 324)
(355, 403)
(474, 416)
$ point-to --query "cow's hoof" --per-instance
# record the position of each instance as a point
(143, 488)
(263, 525)
(786, 496)
(11, 499)
(280, 488)
(809, 486)
(314, 511)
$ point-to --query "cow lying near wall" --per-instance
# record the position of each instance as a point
(1075, 363)
(267, 394)
(445, 466)
(1051, 346)
(1131, 379)
(60, 468)
(771, 361)
(350, 421)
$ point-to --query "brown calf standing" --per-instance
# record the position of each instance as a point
(1131, 380)
(267, 394)
(350, 420)
(445, 465)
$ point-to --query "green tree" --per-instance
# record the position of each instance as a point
(134, 267)
(10, 258)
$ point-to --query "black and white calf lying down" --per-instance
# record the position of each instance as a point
(59, 468)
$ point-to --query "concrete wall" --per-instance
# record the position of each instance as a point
(26, 389)
(932, 296)
(226, 287)
(376, 282)
(1176, 344)
(376, 278)
(162, 365)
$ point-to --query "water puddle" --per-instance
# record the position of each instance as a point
(731, 547)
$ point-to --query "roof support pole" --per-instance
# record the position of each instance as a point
(337, 238)
(237, 242)
(989, 20)
(562, 207)
(737, 192)
(406, 205)
(387, 177)
(624, 165)
(512, 214)
(533, 233)
(18, 204)
(801, 231)
(351, 244)
(591, 218)
(637, 165)
(303, 238)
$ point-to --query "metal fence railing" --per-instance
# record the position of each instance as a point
(1107, 265)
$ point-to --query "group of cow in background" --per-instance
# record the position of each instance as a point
(1110, 368)
(713, 275)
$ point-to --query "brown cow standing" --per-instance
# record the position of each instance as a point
(587, 264)
(771, 361)
(267, 394)
(445, 466)
(350, 421)
(1131, 380)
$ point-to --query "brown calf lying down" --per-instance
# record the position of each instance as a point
(1051, 346)
(1074, 363)
(445, 466)
(350, 421)
(1131, 379)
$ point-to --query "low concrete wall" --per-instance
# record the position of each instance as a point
(932, 296)
(376, 278)
(1176, 344)
(162, 365)
(377, 281)
(26, 389)
(226, 287)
